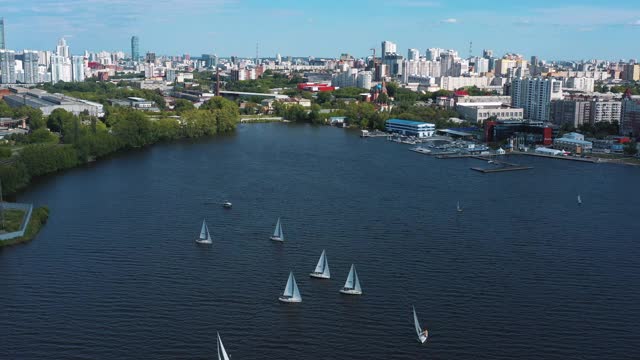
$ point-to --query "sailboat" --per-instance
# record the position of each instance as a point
(352, 285)
(291, 293)
(222, 353)
(277, 233)
(579, 200)
(205, 237)
(422, 334)
(322, 269)
(458, 207)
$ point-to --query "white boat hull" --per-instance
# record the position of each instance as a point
(277, 238)
(347, 291)
(319, 275)
(422, 338)
(288, 299)
(200, 241)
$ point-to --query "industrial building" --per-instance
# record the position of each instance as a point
(46, 102)
(410, 128)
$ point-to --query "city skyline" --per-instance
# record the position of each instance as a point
(595, 29)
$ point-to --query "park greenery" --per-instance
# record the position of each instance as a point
(74, 140)
(39, 217)
(269, 80)
(634, 88)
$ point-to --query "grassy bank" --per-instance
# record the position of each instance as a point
(38, 219)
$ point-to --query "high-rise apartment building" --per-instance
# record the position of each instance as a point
(487, 54)
(78, 68)
(30, 67)
(534, 95)
(433, 54)
(62, 49)
(60, 69)
(8, 66)
(447, 61)
(631, 72)
(413, 55)
(388, 48)
(135, 48)
(2, 43)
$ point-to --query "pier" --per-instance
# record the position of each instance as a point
(503, 165)
(570, 158)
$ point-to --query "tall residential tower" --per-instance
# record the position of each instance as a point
(2, 44)
(135, 48)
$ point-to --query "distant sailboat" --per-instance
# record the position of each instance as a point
(422, 334)
(277, 233)
(205, 237)
(291, 293)
(458, 207)
(222, 353)
(322, 269)
(352, 285)
(579, 200)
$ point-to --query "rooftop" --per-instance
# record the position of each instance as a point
(408, 122)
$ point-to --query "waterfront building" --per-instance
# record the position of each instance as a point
(525, 131)
(534, 95)
(135, 48)
(478, 112)
(630, 118)
(573, 142)
(583, 110)
(8, 66)
(410, 128)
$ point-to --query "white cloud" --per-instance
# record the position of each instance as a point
(636, 23)
(450, 21)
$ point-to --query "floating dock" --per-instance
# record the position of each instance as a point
(502, 169)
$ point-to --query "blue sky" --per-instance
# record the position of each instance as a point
(560, 29)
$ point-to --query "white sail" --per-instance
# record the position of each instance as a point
(416, 323)
(458, 206)
(321, 262)
(296, 292)
(277, 232)
(349, 283)
(579, 199)
(222, 353)
(288, 290)
(326, 272)
(356, 287)
(204, 233)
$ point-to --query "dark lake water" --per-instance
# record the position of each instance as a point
(523, 272)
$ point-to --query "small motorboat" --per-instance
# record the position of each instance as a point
(227, 205)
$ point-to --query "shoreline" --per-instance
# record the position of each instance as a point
(38, 220)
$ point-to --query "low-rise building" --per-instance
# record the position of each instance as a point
(136, 103)
(46, 102)
(573, 142)
(410, 128)
(478, 112)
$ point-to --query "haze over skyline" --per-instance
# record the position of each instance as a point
(572, 30)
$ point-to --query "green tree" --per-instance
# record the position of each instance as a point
(41, 159)
(14, 177)
(631, 148)
(43, 136)
(57, 118)
(133, 129)
(324, 97)
(5, 152)
(183, 105)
